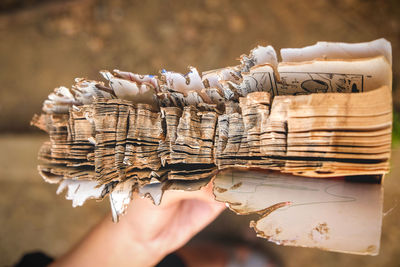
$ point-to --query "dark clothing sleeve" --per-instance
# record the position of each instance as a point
(39, 259)
(34, 259)
(171, 260)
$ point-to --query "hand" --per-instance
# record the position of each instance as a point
(147, 233)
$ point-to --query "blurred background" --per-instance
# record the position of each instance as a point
(45, 44)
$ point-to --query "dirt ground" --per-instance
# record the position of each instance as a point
(33, 217)
(45, 44)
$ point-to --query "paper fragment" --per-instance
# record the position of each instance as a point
(80, 190)
(120, 197)
(331, 215)
(341, 76)
(259, 56)
(332, 50)
(130, 90)
(154, 191)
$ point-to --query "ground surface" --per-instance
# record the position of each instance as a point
(33, 217)
(48, 45)
(45, 44)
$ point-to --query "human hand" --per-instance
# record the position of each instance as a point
(174, 222)
(147, 233)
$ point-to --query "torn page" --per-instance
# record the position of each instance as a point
(332, 215)
(336, 50)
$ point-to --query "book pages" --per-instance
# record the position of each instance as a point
(325, 112)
